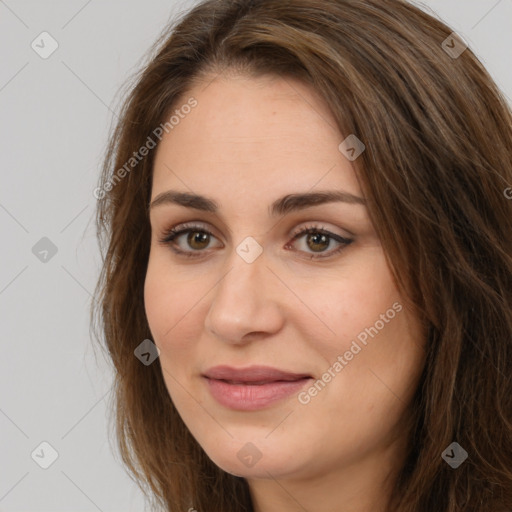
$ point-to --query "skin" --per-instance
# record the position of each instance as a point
(248, 142)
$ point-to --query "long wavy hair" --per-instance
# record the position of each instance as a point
(436, 175)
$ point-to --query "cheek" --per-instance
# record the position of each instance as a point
(345, 302)
(158, 297)
(170, 311)
(362, 319)
(169, 304)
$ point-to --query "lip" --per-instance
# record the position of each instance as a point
(252, 388)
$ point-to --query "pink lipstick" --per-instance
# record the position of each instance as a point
(252, 388)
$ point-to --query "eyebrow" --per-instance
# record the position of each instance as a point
(282, 206)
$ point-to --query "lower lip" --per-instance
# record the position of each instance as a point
(244, 397)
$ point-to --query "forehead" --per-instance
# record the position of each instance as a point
(262, 134)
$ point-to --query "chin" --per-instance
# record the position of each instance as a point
(262, 469)
(260, 458)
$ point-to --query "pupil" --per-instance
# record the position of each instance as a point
(318, 239)
(199, 238)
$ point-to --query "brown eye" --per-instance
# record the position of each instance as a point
(190, 240)
(195, 241)
(317, 242)
(198, 240)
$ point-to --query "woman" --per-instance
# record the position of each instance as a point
(307, 284)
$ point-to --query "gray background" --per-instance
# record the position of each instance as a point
(56, 114)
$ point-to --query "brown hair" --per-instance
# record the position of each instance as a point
(435, 174)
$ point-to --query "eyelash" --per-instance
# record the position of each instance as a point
(170, 235)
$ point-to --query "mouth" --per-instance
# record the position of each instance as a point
(252, 388)
(258, 383)
(252, 375)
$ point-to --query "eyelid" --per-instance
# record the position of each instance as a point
(182, 228)
(190, 225)
(320, 226)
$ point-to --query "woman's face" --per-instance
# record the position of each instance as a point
(250, 288)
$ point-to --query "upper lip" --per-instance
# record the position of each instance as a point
(252, 374)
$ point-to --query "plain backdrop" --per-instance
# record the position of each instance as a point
(55, 114)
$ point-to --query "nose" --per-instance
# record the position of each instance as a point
(247, 303)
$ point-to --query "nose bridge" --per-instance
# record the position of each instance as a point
(246, 266)
(244, 299)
